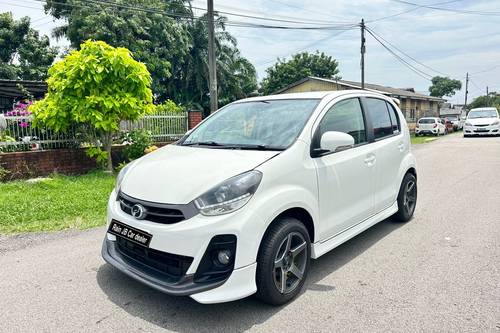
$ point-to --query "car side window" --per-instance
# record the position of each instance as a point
(379, 114)
(345, 116)
(396, 124)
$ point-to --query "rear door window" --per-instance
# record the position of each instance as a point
(396, 124)
(381, 120)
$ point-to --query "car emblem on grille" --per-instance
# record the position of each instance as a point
(138, 211)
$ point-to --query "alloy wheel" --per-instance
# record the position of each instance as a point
(290, 262)
(410, 196)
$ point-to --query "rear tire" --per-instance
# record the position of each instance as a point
(283, 261)
(407, 198)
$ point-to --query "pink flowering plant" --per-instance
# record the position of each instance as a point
(21, 110)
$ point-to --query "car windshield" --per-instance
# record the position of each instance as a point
(482, 114)
(451, 117)
(266, 124)
(427, 121)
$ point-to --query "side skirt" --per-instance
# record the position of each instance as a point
(320, 248)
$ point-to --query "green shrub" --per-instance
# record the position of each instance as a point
(136, 143)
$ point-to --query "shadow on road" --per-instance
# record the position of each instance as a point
(185, 315)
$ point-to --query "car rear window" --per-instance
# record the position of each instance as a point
(427, 121)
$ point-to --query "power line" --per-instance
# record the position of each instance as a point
(460, 11)
(409, 10)
(409, 56)
(304, 47)
(486, 70)
(189, 17)
(404, 62)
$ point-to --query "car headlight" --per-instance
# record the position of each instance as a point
(468, 124)
(230, 195)
(121, 175)
(496, 122)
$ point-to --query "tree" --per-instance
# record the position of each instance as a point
(95, 88)
(301, 65)
(155, 39)
(169, 39)
(23, 53)
(493, 99)
(444, 86)
(236, 76)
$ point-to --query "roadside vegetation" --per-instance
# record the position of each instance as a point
(415, 140)
(55, 203)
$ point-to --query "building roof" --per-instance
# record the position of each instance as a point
(14, 88)
(393, 92)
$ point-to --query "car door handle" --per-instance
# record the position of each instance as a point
(370, 160)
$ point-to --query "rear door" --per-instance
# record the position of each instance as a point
(390, 148)
(346, 177)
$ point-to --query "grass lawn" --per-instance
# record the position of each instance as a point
(54, 204)
(415, 140)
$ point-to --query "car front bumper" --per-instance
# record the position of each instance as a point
(482, 130)
(190, 239)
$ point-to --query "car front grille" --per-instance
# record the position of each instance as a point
(155, 212)
(482, 125)
(171, 266)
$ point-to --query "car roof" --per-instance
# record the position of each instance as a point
(484, 109)
(314, 95)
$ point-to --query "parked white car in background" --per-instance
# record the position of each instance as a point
(482, 121)
(430, 125)
(455, 120)
(242, 202)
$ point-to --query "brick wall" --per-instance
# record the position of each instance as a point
(42, 163)
(194, 118)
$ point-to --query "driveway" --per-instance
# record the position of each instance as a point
(438, 273)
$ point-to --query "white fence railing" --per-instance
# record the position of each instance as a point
(18, 134)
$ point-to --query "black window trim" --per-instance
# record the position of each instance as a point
(370, 126)
(316, 152)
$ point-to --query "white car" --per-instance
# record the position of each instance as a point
(455, 120)
(243, 202)
(430, 125)
(482, 121)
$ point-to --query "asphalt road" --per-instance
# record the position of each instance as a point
(438, 273)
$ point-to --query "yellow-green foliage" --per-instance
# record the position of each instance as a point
(99, 85)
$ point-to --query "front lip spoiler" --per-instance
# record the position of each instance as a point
(184, 287)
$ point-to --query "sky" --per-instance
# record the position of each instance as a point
(446, 42)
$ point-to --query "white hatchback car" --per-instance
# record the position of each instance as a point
(482, 121)
(241, 203)
(430, 125)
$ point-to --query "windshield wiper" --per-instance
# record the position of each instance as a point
(256, 147)
(203, 143)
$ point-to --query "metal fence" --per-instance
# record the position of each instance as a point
(18, 134)
(164, 127)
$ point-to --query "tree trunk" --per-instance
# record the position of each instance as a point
(108, 143)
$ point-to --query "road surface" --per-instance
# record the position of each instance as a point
(438, 273)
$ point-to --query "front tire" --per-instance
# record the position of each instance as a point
(407, 198)
(283, 261)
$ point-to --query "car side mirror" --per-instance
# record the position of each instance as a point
(333, 141)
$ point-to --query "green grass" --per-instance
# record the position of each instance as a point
(415, 140)
(58, 203)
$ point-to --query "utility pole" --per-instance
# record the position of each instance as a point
(363, 50)
(466, 91)
(487, 96)
(212, 70)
